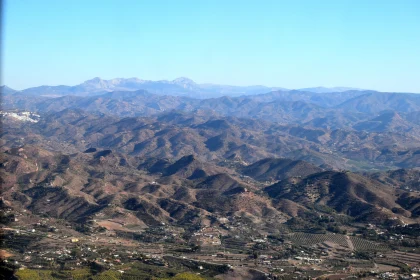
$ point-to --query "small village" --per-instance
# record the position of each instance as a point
(49, 244)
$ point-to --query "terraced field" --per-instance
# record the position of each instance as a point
(361, 244)
(408, 258)
(234, 244)
(301, 238)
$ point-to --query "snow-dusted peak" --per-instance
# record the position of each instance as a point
(111, 84)
(93, 81)
(134, 79)
(183, 81)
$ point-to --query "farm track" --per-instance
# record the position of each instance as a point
(350, 243)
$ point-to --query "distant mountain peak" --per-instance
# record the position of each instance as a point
(183, 80)
(185, 83)
(113, 84)
(98, 83)
(6, 90)
(134, 79)
(93, 80)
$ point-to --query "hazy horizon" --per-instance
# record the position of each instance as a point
(303, 44)
(198, 83)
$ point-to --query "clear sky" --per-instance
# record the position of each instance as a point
(293, 44)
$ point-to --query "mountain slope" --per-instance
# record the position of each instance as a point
(345, 192)
(278, 169)
(388, 121)
(375, 102)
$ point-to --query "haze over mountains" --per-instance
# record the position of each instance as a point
(368, 129)
(180, 86)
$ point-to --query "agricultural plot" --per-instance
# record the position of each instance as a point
(39, 261)
(32, 274)
(366, 245)
(301, 238)
(234, 244)
(17, 242)
(28, 274)
(408, 258)
(134, 272)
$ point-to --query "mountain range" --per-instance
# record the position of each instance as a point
(161, 166)
(368, 129)
(180, 87)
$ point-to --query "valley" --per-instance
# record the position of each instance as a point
(277, 185)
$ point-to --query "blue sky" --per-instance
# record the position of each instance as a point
(294, 44)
